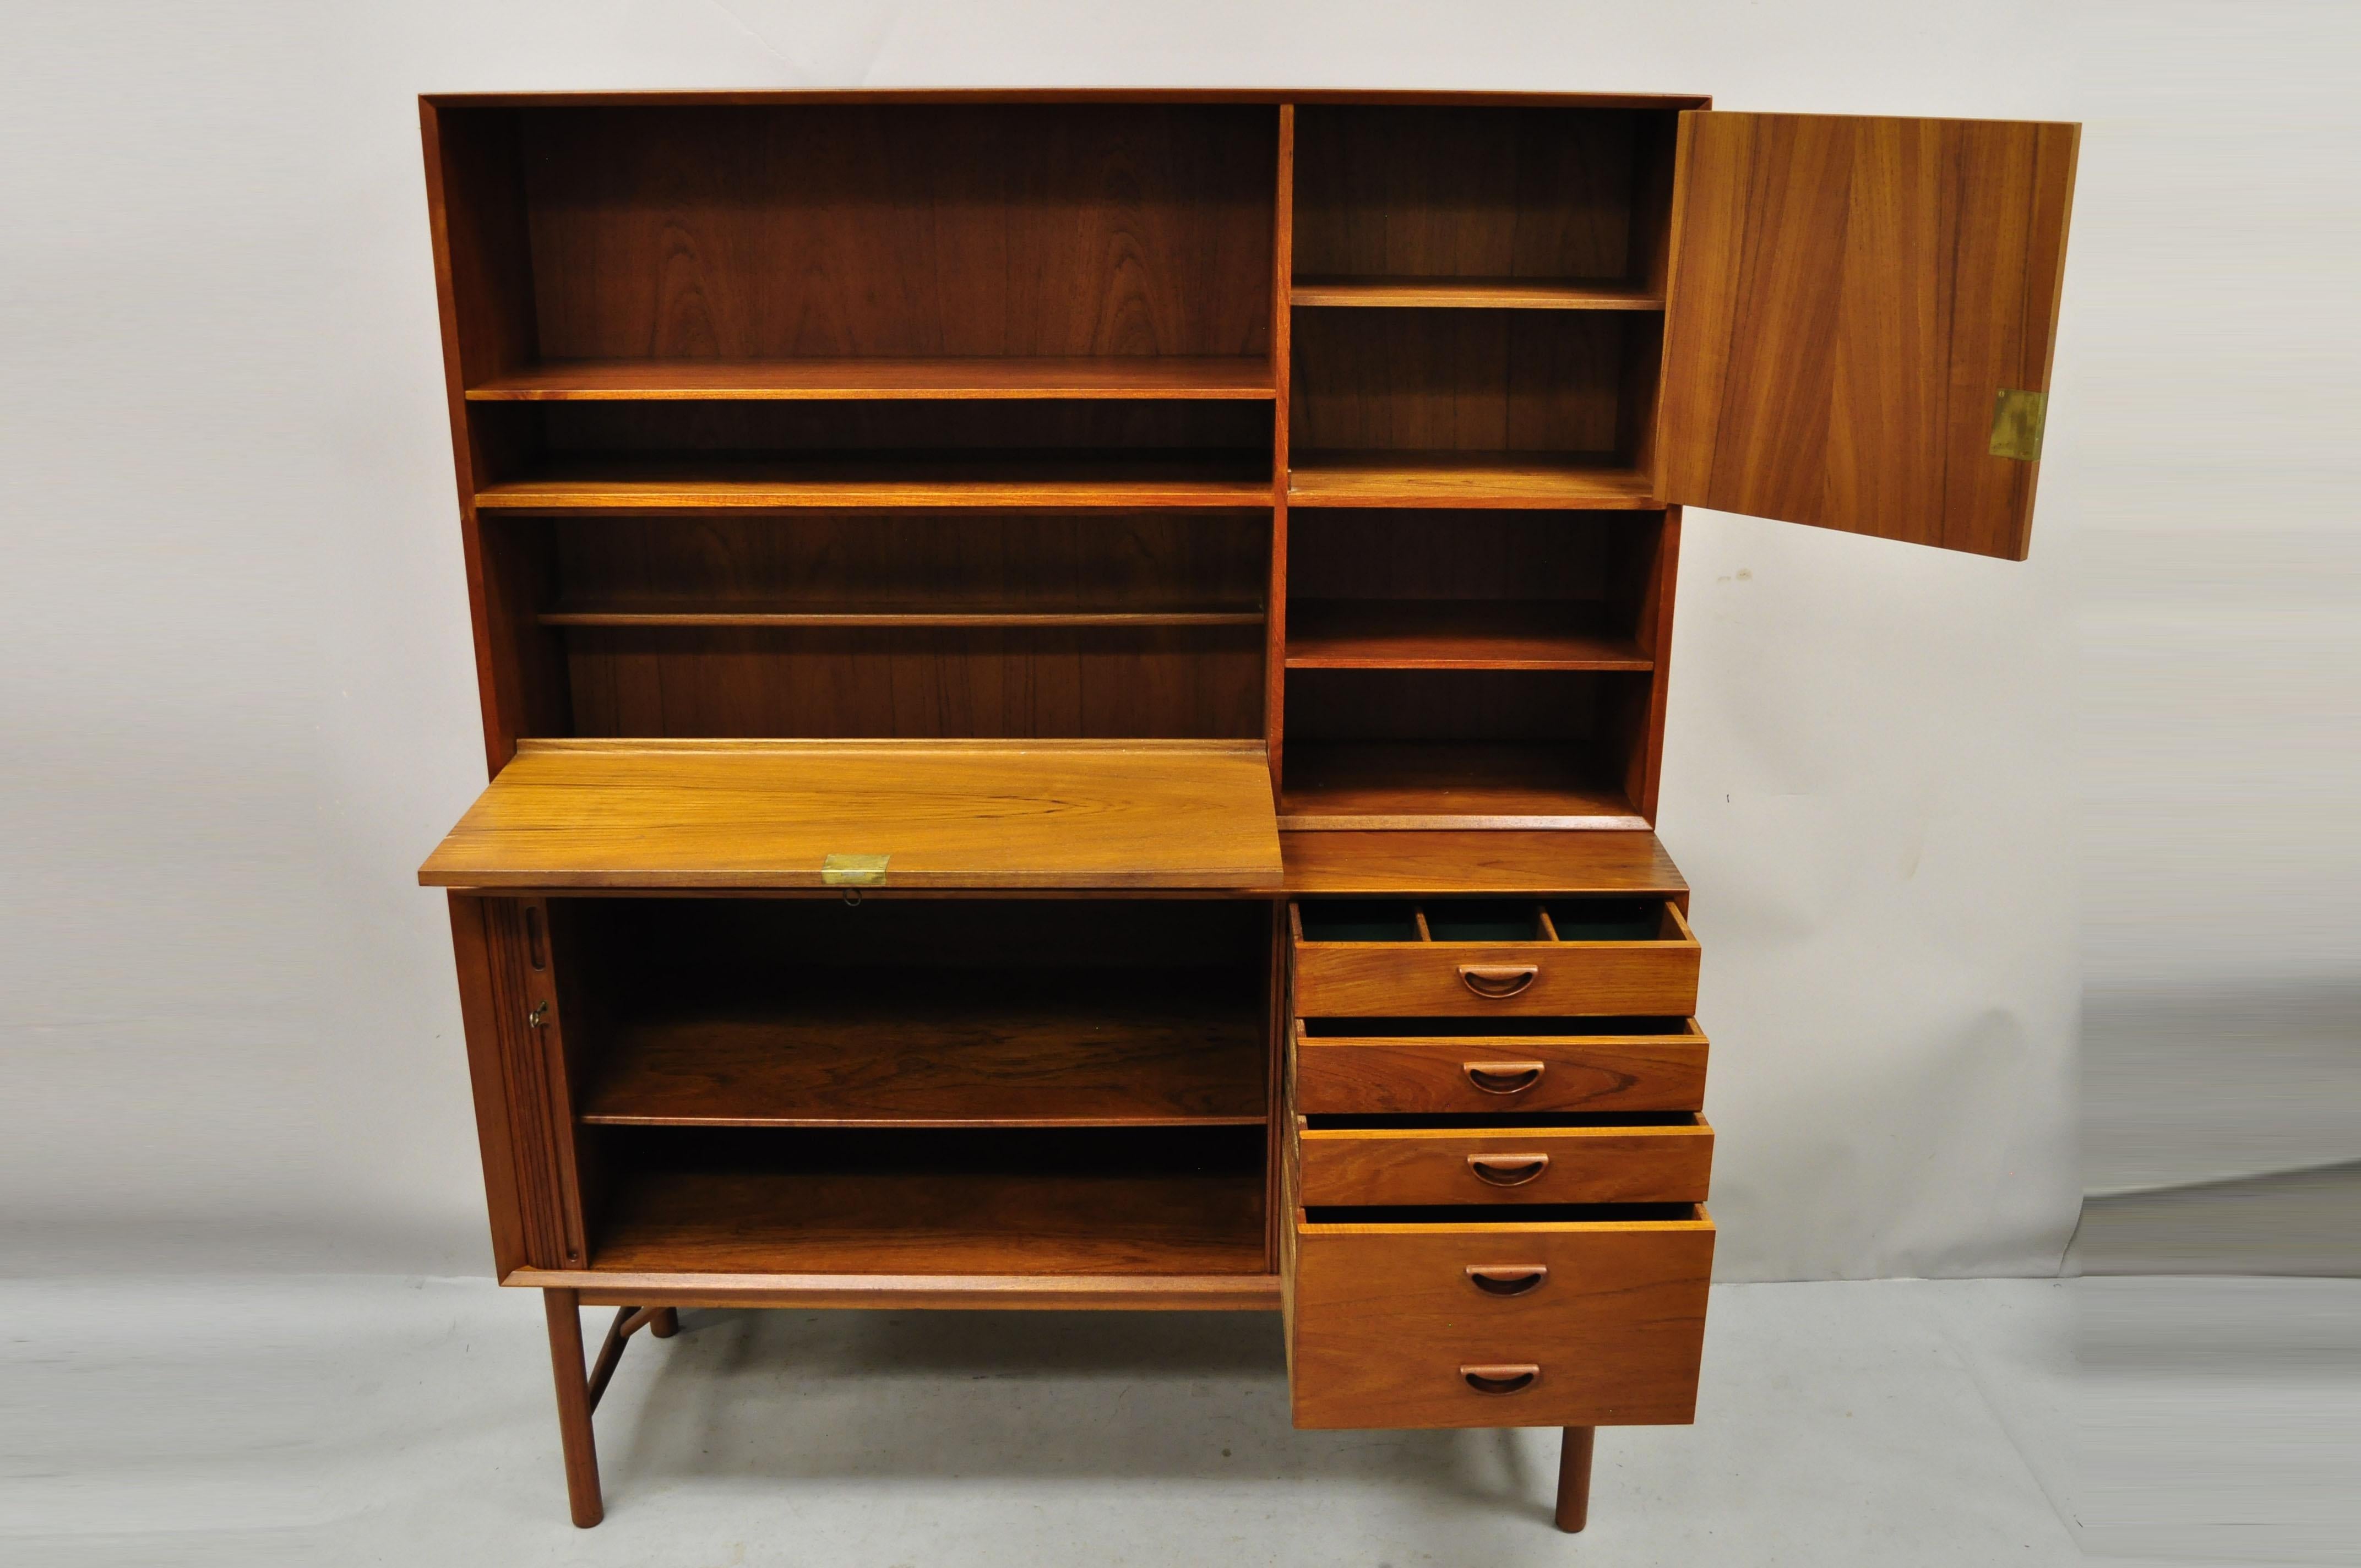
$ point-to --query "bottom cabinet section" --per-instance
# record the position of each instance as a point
(1543, 1317)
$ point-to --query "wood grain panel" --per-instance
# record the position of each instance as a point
(1657, 978)
(521, 1063)
(920, 230)
(1474, 294)
(976, 376)
(1406, 1073)
(1433, 784)
(936, 1222)
(838, 96)
(1075, 624)
(1014, 479)
(1455, 634)
(1380, 703)
(1540, 480)
(1354, 1166)
(1455, 380)
(1031, 1047)
(1848, 297)
(1449, 862)
(908, 1292)
(953, 563)
(766, 814)
(925, 683)
(1416, 554)
(1384, 1316)
(1465, 193)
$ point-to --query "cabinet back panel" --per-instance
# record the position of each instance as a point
(757, 232)
(1188, 681)
(955, 562)
(1474, 192)
(1456, 704)
(1409, 554)
(655, 950)
(887, 425)
(1461, 381)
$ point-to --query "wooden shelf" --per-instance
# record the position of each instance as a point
(1149, 477)
(1475, 293)
(979, 376)
(1540, 479)
(1460, 862)
(1446, 785)
(1454, 634)
(704, 612)
(950, 813)
(927, 1222)
(1029, 1048)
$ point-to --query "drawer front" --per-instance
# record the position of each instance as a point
(1548, 1165)
(1450, 979)
(1498, 1326)
(1475, 1074)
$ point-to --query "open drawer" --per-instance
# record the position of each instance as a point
(1570, 1317)
(1483, 1066)
(1480, 956)
(1345, 1160)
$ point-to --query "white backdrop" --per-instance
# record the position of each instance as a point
(240, 703)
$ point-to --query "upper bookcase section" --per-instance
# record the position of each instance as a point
(1482, 207)
(755, 250)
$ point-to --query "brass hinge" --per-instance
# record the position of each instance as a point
(854, 871)
(2018, 422)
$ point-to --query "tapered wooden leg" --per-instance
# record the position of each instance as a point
(564, 1310)
(665, 1323)
(1574, 1479)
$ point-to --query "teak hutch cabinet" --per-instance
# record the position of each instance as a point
(1074, 685)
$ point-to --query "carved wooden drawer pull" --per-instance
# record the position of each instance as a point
(1498, 980)
(1508, 1170)
(1503, 1077)
(1508, 1280)
(1500, 1379)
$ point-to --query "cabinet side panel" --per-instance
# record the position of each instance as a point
(487, 1077)
(517, 1067)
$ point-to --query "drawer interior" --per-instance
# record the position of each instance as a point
(1490, 921)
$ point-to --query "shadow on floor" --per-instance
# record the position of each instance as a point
(1047, 1396)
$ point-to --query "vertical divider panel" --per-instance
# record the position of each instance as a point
(1274, 709)
(1275, 1101)
(1643, 776)
(483, 284)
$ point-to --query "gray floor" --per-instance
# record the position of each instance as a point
(370, 1420)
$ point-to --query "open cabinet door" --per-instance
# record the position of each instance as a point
(1861, 315)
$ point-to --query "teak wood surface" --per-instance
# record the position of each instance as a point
(1458, 863)
(768, 813)
(1431, 979)
(884, 1221)
(1061, 492)
(1385, 1316)
(1048, 1049)
(1475, 1074)
(1849, 296)
(1612, 1164)
(969, 377)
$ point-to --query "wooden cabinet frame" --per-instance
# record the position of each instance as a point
(956, 577)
